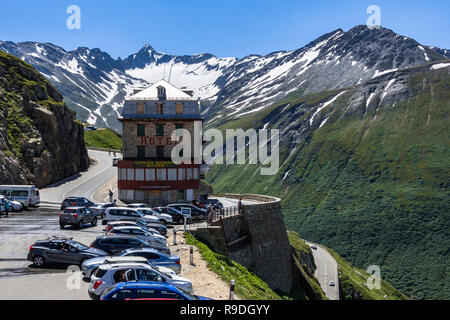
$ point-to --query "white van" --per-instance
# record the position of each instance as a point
(27, 195)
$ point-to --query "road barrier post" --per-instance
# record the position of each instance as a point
(185, 223)
(174, 237)
(232, 289)
(192, 255)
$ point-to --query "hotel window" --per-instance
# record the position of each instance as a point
(172, 174)
(181, 174)
(141, 130)
(160, 108)
(161, 91)
(160, 152)
(150, 175)
(140, 174)
(179, 108)
(161, 174)
(195, 174)
(141, 152)
(188, 173)
(123, 174)
(141, 107)
(180, 195)
(160, 130)
(130, 174)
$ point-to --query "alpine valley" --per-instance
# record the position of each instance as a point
(364, 150)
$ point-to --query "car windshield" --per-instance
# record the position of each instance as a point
(77, 245)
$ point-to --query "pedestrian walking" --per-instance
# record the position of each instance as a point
(111, 195)
(6, 207)
(240, 206)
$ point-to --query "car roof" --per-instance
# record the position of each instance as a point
(125, 265)
(112, 260)
(146, 284)
(146, 250)
(120, 236)
(122, 208)
(128, 227)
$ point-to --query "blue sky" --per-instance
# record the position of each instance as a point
(230, 28)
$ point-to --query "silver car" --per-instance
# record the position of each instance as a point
(88, 267)
(154, 256)
(108, 275)
(139, 232)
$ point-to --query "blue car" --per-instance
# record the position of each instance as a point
(147, 291)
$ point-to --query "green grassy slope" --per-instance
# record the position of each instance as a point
(374, 187)
(103, 138)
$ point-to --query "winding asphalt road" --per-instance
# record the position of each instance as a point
(327, 271)
(85, 184)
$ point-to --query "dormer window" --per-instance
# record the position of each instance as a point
(161, 92)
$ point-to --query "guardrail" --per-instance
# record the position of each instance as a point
(103, 149)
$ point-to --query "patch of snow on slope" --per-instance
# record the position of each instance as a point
(372, 95)
(440, 66)
(324, 106)
(425, 53)
(385, 92)
(378, 73)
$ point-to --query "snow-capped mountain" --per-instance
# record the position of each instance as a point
(95, 85)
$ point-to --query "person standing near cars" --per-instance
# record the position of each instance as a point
(6, 208)
(110, 195)
(240, 206)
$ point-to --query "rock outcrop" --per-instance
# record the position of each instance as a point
(40, 140)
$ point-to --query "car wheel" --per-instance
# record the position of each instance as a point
(62, 226)
(94, 222)
(38, 261)
(163, 222)
(80, 224)
(181, 221)
(104, 222)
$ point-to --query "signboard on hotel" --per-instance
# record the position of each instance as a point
(153, 164)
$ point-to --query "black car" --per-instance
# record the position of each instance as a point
(76, 202)
(216, 204)
(113, 244)
(64, 251)
(176, 214)
(195, 211)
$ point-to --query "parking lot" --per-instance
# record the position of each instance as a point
(20, 280)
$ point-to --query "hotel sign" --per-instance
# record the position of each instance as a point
(156, 141)
(154, 164)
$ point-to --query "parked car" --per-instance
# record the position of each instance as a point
(108, 275)
(64, 251)
(151, 227)
(147, 291)
(117, 243)
(99, 208)
(77, 216)
(176, 214)
(76, 202)
(15, 206)
(162, 217)
(138, 231)
(165, 263)
(138, 205)
(115, 161)
(123, 223)
(195, 211)
(215, 203)
(118, 213)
